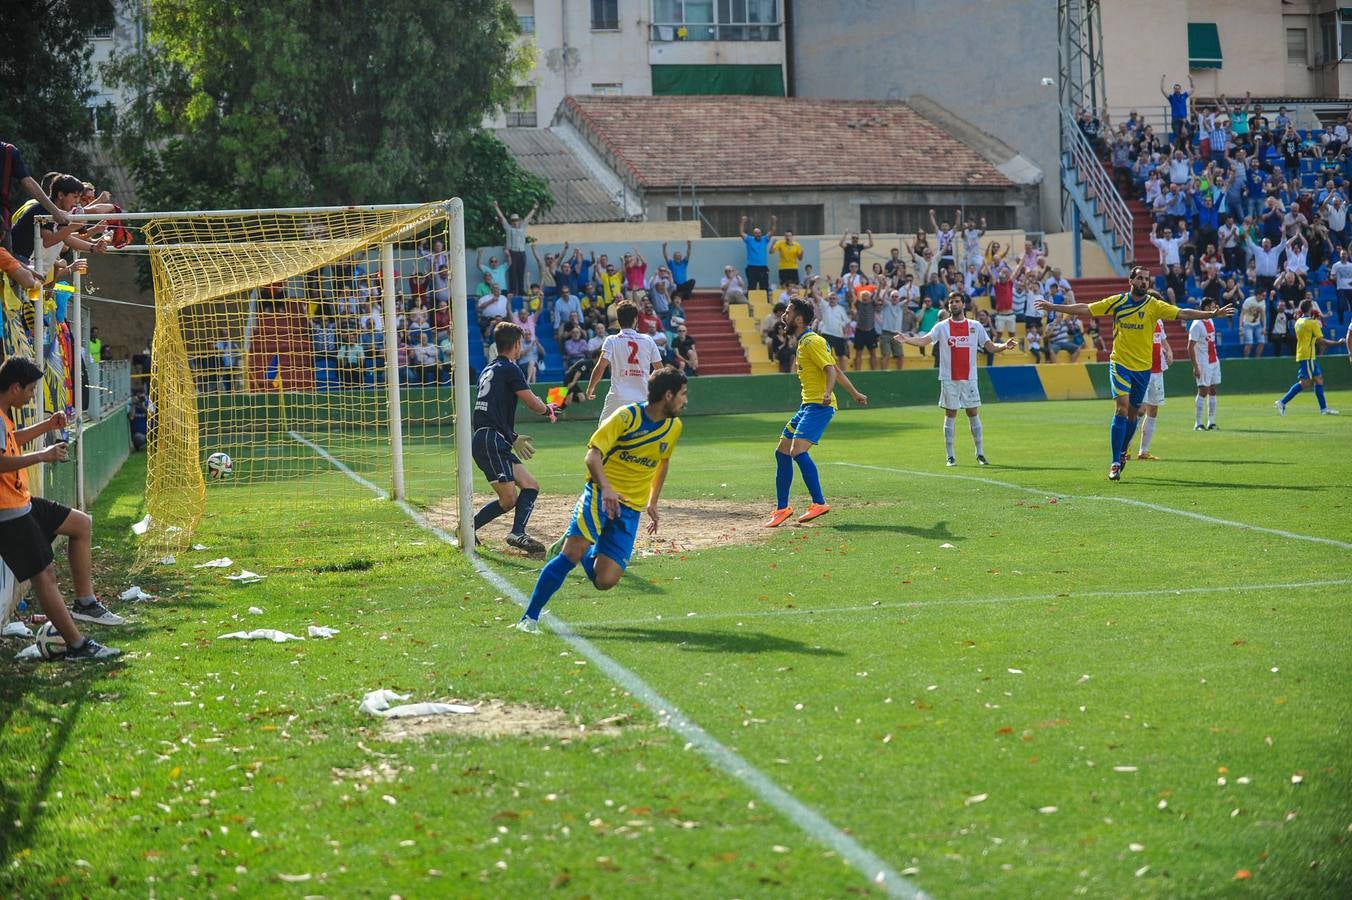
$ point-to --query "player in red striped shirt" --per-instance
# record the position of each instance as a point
(1206, 366)
(1161, 358)
(958, 340)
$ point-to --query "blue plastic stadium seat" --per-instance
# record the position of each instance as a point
(1159, 283)
(1308, 164)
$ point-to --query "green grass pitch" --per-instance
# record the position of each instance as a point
(1085, 696)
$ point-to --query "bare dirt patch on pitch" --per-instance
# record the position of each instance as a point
(684, 525)
(496, 719)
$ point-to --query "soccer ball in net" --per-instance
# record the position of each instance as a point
(220, 465)
(50, 642)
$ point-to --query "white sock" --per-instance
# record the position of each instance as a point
(949, 431)
(1147, 432)
(1211, 409)
(1199, 404)
(975, 423)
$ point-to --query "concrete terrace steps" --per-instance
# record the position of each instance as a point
(716, 340)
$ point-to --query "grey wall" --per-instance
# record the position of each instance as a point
(984, 60)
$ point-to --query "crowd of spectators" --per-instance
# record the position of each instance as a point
(1246, 207)
(874, 300)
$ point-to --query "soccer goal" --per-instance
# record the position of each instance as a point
(305, 364)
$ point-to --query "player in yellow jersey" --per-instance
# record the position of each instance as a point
(1309, 341)
(627, 459)
(1134, 313)
(818, 374)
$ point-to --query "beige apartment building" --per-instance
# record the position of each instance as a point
(1271, 48)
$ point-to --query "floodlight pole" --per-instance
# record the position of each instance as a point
(464, 477)
(392, 373)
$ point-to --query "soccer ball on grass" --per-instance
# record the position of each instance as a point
(220, 465)
(50, 642)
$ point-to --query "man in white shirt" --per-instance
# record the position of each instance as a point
(493, 307)
(1206, 366)
(1180, 170)
(890, 319)
(831, 324)
(1265, 258)
(1342, 279)
(631, 357)
(1168, 244)
(957, 340)
(1252, 324)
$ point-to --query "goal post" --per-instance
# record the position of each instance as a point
(323, 349)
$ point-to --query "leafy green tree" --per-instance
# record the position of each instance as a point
(301, 103)
(44, 64)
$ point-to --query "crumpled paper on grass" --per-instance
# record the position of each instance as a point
(262, 634)
(321, 631)
(135, 593)
(377, 703)
(16, 629)
(224, 562)
(141, 527)
(29, 653)
(246, 577)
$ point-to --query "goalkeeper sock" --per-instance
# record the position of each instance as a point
(551, 579)
(975, 423)
(1295, 389)
(589, 563)
(1211, 409)
(1147, 432)
(950, 430)
(783, 478)
(810, 477)
(525, 505)
(1319, 395)
(492, 509)
(1117, 437)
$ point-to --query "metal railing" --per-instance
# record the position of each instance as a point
(1080, 162)
(110, 388)
(666, 32)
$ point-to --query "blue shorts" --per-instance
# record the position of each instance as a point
(1308, 369)
(493, 455)
(809, 423)
(1128, 381)
(613, 537)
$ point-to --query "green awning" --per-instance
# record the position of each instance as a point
(1346, 12)
(755, 80)
(1204, 46)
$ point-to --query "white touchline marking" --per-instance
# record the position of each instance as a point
(809, 820)
(921, 605)
(1343, 545)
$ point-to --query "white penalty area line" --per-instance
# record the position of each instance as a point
(811, 822)
(922, 605)
(1212, 520)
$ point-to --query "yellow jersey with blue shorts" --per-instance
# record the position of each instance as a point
(633, 447)
(1134, 321)
(1309, 331)
(809, 423)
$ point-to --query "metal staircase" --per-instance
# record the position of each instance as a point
(1094, 198)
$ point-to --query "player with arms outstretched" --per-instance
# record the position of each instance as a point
(1134, 313)
(1206, 367)
(630, 358)
(627, 459)
(498, 449)
(1309, 341)
(1161, 358)
(957, 340)
(818, 375)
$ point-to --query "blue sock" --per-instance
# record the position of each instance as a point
(810, 478)
(491, 511)
(525, 505)
(1319, 394)
(589, 563)
(1295, 389)
(1131, 431)
(551, 579)
(783, 478)
(1117, 436)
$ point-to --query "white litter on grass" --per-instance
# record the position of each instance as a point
(16, 629)
(167, 560)
(29, 653)
(947, 546)
(224, 562)
(246, 577)
(321, 631)
(293, 879)
(255, 611)
(1047, 810)
(1015, 671)
(135, 593)
(199, 546)
(1124, 768)
(975, 798)
(377, 703)
(142, 526)
(261, 634)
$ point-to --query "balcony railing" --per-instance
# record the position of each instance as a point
(673, 32)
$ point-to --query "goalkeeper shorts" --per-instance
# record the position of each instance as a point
(493, 455)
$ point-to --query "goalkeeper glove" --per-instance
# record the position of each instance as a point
(553, 411)
(523, 447)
